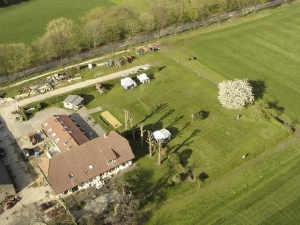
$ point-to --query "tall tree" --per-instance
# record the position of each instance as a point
(43, 50)
(235, 94)
(160, 17)
(93, 33)
(4, 57)
(176, 10)
(62, 34)
(146, 21)
(19, 58)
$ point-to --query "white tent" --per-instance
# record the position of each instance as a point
(162, 134)
(128, 83)
(143, 78)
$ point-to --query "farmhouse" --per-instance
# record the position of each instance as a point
(63, 133)
(87, 165)
(73, 102)
(143, 78)
(164, 135)
(128, 83)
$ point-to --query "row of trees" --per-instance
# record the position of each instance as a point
(100, 25)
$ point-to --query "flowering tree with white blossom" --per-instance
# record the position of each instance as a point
(235, 94)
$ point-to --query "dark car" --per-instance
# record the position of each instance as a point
(2, 152)
(47, 205)
(55, 212)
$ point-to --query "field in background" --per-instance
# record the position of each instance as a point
(27, 21)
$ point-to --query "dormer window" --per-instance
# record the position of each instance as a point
(45, 124)
(50, 129)
(71, 176)
(61, 122)
(71, 146)
(111, 161)
(66, 142)
(91, 167)
(70, 132)
(57, 117)
(66, 127)
(57, 139)
(53, 135)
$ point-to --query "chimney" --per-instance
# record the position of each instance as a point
(105, 135)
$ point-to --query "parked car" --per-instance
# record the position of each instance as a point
(28, 152)
(55, 212)
(47, 205)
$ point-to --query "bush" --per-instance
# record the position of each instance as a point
(176, 178)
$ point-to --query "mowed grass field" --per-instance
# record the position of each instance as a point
(27, 21)
(264, 188)
(213, 147)
(264, 47)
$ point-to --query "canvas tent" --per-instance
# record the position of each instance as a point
(162, 134)
(128, 83)
(73, 102)
(143, 78)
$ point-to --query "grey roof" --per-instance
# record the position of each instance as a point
(73, 99)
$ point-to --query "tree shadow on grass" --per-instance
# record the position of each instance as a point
(203, 176)
(185, 143)
(258, 88)
(184, 156)
(158, 108)
(274, 105)
(87, 98)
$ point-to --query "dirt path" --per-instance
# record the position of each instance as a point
(73, 87)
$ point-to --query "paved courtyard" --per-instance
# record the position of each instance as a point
(28, 181)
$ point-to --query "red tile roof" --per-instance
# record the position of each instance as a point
(76, 163)
(62, 130)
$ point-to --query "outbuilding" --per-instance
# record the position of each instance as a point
(73, 102)
(128, 83)
(143, 78)
(164, 135)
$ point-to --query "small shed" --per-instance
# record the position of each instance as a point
(164, 135)
(128, 83)
(73, 102)
(143, 78)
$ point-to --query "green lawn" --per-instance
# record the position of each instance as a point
(263, 48)
(264, 189)
(27, 21)
(214, 146)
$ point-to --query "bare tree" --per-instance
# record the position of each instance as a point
(235, 94)
(150, 142)
(159, 146)
(141, 126)
(126, 119)
(131, 121)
